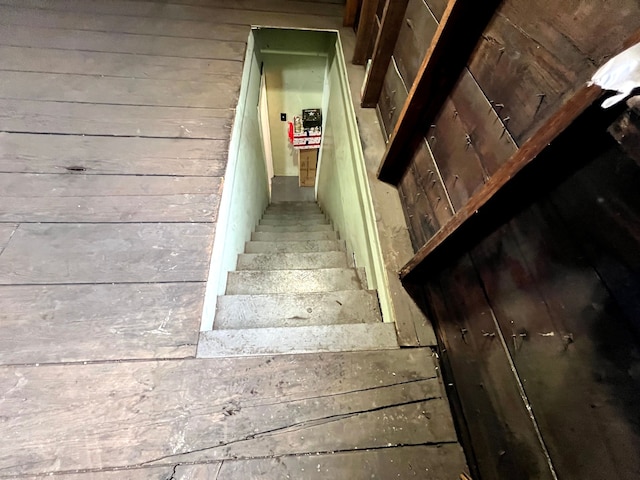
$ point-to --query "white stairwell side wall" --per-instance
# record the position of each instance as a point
(245, 193)
(342, 186)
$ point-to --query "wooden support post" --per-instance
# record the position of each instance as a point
(351, 12)
(460, 28)
(365, 31)
(392, 17)
(459, 225)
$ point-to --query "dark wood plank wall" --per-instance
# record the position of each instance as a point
(552, 295)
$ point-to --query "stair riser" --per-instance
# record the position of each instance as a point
(292, 261)
(319, 220)
(295, 310)
(289, 236)
(292, 281)
(317, 338)
(295, 247)
(294, 228)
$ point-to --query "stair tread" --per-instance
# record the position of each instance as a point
(297, 309)
(291, 261)
(302, 339)
(294, 281)
(286, 236)
(293, 246)
(294, 228)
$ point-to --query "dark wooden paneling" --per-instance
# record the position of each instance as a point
(414, 38)
(535, 55)
(418, 211)
(437, 7)
(504, 443)
(392, 98)
(455, 155)
(428, 175)
(491, 140)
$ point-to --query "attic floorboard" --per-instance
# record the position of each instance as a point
(115, 119)
(139, 414)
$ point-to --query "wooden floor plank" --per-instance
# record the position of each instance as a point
(117, 91)
(14, 15)
(106, 253)
(123, 43)
(116, 120)
(6, 232)
(142, 413)
(432, 462)
(52, 60)
(75, 323)
(184, 12)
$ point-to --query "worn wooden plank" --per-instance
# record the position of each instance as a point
(392, 98)
(119, 22)
(430, 178)
(392, 18)
(534, 56)
(74, 323)
(351, 10)
(429, 461)
(418, 211)
(452, 44)
(501, 435)
(247, 407)
(52, 60)
(118, 91)
(105, 253)
(184, 12)
(414, 38)
(490, 138)
(6, 232)
(528, 152)
(455, 155)
(115, 120)
(123, 43)
(112, 156)
(365, 32)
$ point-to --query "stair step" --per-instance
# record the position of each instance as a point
(287, 340)
(295, 228)
(248, 282)
(299, 309)
(270, 219)
(308, 246)
(291, 261)
(288, 236)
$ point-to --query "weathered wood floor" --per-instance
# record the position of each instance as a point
(114, 123)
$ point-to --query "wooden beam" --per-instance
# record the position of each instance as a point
(365, 31)
(454, 230)
(460, 28)
(351, 12)
(392, 17)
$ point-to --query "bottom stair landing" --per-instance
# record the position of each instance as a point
(293, 291)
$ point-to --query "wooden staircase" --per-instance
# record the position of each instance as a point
(294, 291)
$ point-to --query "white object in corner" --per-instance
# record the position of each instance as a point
(621, 73)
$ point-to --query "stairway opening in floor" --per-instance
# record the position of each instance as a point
(296, 264)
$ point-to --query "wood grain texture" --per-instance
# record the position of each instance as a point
(392, 18)
(74, 323)
(6, 232)
(534, 56)
(414, 38)
(247, 407)
(437, 7)
(47, 59)
(556, 125)
(451, 46)
(117, 90)
(31, 153)
(392, 98)
(217, 15)
(121, 23)
(30, 116)
(351, 11)
(365, 36)
(106, 253)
